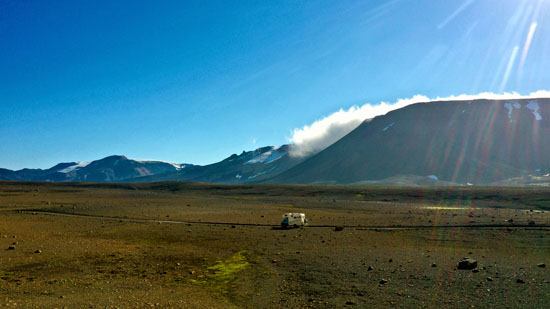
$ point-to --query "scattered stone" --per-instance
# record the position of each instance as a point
(519, 281)
(233, 226)
(350, 303)
(273, 261)
(467, 264)
(489, 279)
(38, 251)
(383, 281)
(11, 247)
(390, 260)
(338, 228)
(475, 270)
(541, 265)
(434, 265)
(370, 268)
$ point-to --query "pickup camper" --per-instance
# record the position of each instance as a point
(293, 220)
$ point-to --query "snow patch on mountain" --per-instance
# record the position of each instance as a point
(260, 173)
(267, 157)
(176, 165)
(433, 177)
(75, 167)
(389, 126)
(510, 106)
(534, 107)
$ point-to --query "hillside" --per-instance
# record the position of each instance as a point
(461, 142)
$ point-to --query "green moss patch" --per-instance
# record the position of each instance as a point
(222, 275)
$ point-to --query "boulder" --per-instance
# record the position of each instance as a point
(467, 264)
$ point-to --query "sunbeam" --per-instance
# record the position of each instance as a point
(526, 46)
(509, 67)
(455, 14)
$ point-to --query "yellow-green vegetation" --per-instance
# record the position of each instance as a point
(221, 275)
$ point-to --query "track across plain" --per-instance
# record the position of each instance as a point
(357, 227)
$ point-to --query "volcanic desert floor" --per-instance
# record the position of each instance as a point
(214, 246)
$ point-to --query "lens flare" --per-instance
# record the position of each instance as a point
(528, 41)
(509, 67)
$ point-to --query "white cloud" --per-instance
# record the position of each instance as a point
(322, 133)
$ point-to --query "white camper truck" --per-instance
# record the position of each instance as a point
(293, 220)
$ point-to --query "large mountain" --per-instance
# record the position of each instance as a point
(461, 142)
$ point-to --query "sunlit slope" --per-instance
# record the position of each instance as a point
(476, 142)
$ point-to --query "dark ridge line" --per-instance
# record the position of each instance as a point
(357, 227)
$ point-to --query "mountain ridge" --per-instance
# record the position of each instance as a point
(438, 143)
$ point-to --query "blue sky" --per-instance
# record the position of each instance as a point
(194, 82)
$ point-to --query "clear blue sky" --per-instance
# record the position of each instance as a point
(193, 82)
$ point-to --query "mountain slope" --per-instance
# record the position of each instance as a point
(248, 167)
(476, 142)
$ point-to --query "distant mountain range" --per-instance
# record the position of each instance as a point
(109, 169)
(252, 166)
(481, 142)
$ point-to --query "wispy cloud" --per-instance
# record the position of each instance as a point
(322, 133)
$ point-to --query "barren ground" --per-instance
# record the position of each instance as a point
(102, 245)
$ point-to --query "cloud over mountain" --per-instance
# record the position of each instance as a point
(315, 137)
